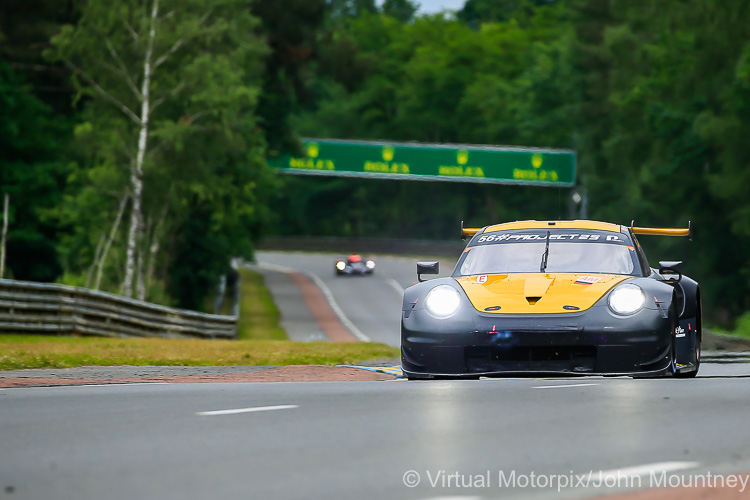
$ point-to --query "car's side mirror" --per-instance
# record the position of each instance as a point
(671, 268)
(427, 268)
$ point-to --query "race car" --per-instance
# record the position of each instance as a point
(354, 264)
(553, 297)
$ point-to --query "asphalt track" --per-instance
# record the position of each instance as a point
(371, 303)
(323, 440)
(493, 439)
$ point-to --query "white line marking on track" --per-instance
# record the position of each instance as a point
(642, 470)
(395, 285)
(276, 267)
(245, 410)
(337, 310)
(454, 498)
(561, 386)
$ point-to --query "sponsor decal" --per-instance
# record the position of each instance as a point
(482, 279)
(492, 308)
(571, 308)
(388, 153)
(583, 237)
(460, 171)
(679, 332)
(386, 167)
(587, 280)
(536, 160)
(462, 157)
(535, 174)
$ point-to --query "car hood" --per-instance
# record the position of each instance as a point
(537, 293)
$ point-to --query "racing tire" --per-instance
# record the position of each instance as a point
(693, 373)
(672, 370)
(696, 346)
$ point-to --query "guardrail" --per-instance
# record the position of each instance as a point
(42, 308)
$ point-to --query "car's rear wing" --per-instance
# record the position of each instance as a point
(660, 231)
(664, 231)
(468, 231)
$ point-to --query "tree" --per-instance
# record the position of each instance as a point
(32, 173)
(33, 134)
(340, 10)
(25, 32)
(291, 28)
(475, 12)
(403, 10)
(159, 78)
(433, 80)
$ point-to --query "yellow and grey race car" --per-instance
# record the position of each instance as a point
(556, 297)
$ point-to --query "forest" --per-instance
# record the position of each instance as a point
(135, 134)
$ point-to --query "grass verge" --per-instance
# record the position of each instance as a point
(31, 351)
(261, 341)
(259, 316)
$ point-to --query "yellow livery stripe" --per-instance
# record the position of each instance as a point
(536, 293)
(662, 231)
(560, 224)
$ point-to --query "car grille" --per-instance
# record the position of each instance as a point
(578, 359)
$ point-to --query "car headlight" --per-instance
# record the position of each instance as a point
(627, 299)
(370, 264)
(341, 265)
(442, 301)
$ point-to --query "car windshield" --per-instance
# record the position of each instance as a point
(564, 257)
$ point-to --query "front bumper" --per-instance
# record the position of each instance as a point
(355, 270)
(593, 342)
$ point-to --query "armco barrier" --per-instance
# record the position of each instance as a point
(30, 307)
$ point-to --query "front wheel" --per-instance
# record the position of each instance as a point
(693, 373)
(691, 353)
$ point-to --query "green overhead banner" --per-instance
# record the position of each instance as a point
(446, 162)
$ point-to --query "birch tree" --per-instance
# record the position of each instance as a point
(159, 74)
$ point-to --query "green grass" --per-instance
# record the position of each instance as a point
(31, 351)
(741, 328)
(259, 316)
(261, 341)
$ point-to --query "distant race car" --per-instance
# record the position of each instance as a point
(354, 264)
(557, 297)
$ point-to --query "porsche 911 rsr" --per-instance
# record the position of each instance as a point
(354, 264)
(557, 297)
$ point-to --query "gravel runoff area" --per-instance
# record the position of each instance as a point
(95, 375)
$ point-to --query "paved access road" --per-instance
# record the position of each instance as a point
(364, 440)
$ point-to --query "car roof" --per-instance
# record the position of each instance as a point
(559, 224)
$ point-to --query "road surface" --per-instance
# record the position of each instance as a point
(483, 439)
(370, 440)
(372, 303)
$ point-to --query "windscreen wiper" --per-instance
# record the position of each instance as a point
(543, 266)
